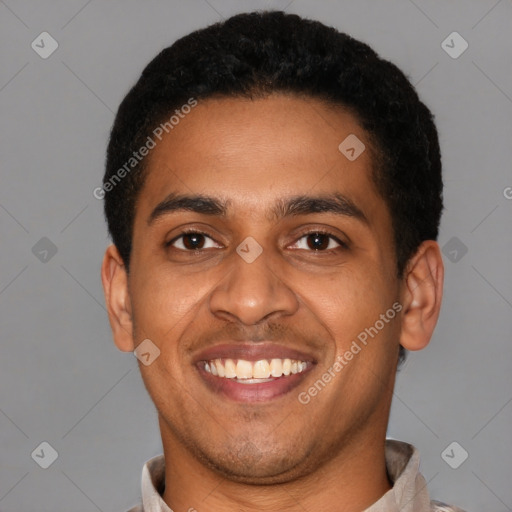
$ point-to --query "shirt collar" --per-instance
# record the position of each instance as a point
(409, 492)
(153, 485)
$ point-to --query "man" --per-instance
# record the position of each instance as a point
(273, 190)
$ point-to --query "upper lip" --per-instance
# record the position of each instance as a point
(253, 351)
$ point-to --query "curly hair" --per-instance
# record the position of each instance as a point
(254, 54)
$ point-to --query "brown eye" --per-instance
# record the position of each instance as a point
(192, 241)
(318, 241)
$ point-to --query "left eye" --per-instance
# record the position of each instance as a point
(318, 241)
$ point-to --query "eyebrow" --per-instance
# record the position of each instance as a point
(336, 204)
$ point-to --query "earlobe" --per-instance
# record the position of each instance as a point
(115, 287)
(422, 296)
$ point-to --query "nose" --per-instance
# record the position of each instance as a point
(252, 292)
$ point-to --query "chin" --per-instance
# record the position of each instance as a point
(254, 468)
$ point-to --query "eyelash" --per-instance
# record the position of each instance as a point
(342, 244)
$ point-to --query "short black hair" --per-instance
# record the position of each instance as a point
(255, 54)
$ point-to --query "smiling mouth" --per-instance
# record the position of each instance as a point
(253, 372)
(253, 381)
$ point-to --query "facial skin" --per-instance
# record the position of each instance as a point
(328, 453)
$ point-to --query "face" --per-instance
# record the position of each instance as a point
(273, 275)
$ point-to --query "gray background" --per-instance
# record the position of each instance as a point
(61, 378)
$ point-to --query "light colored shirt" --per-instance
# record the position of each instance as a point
(408, 494)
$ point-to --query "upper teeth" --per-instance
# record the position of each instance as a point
(263, 369)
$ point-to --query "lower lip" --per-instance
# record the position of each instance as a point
(262, 392)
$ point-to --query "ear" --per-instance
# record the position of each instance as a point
(117, 299)
(421, 296)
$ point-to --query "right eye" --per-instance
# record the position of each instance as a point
(190, 241)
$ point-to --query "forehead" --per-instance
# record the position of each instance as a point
(255, 152)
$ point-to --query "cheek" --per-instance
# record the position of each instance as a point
(352, 303)
(161, 300)
(164, 308)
